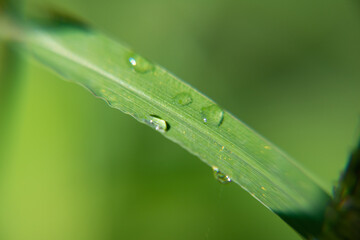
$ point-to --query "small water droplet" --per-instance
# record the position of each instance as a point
(183, 99)
(220, 176)
(140, 64)
(212, 115)
(158, 123)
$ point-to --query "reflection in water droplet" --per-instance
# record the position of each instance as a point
(158, 124)
(220, 176)
(140, 64)
(212, 115)
(183, 99)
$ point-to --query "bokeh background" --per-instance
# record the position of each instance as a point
(77, 169)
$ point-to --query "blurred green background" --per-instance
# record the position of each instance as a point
(77, 169)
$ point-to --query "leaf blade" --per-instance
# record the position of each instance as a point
(102, 66)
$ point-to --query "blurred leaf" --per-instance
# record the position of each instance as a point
(10, 64)
(153, 96)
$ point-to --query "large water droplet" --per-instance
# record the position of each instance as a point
(220, 176)
(212, 115)
(158, 123)
(140, 64)
(183, 99)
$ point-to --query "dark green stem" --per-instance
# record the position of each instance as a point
(343, 214)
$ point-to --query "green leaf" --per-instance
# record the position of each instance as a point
(10, 77)
(153, 96)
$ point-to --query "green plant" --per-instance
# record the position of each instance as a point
(149, 93)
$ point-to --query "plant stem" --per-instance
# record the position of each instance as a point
(343, 214)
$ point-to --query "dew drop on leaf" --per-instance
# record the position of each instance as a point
(183, 99)
(140, 64)
(220, 176)
(212, 115)
(158, 123)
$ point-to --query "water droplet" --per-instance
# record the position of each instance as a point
(212, 115)
(158, 123)
(140, 64)
(183, 99)
(220, 176)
